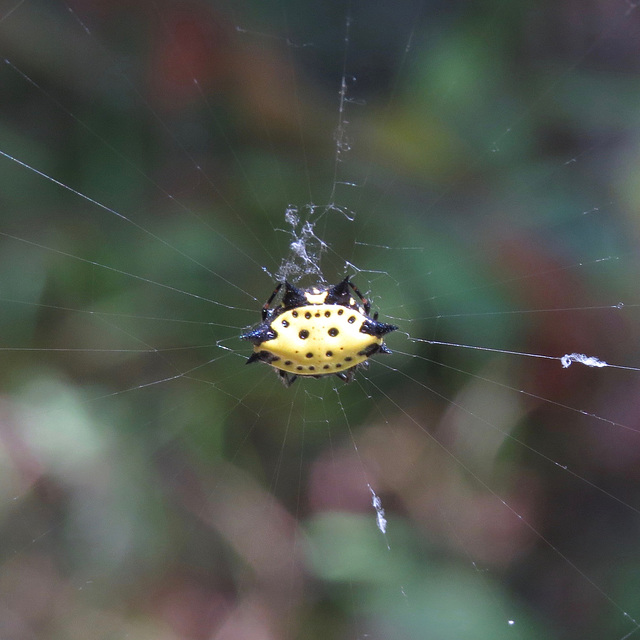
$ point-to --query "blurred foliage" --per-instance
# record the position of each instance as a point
(151, 486)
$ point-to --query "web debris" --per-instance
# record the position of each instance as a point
(381, 521)
(305, 247)
(588, 361)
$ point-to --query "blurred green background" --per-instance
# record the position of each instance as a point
(152, 486)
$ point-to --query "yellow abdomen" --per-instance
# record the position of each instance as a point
(318, 339)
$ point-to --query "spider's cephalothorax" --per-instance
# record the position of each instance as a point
(317, 332)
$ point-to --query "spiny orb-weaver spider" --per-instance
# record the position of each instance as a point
(317, 332)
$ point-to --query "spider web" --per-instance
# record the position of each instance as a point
(472, 168)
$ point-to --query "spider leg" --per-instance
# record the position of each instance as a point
(346, 376)
(287, 379)
(365, 302)
(262, 356)
(265, 308)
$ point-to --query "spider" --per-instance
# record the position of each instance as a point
(317, 332)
